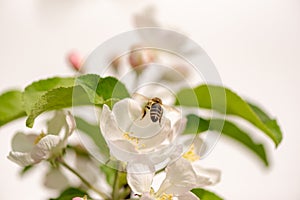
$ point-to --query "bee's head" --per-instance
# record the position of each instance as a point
(157, 100)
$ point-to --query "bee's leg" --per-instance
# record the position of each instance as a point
(144, 113)
(162, 112)
(160, 121)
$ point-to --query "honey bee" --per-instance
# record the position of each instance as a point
(155, 106)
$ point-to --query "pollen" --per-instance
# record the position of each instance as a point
(191, 154)
(165, 196)
(152, 193)
(127, 136)
(39, 137)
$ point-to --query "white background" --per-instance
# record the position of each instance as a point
(254, 44)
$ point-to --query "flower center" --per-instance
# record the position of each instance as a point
(128, 137)
(39, 137)
(191, 154)
(165, 196)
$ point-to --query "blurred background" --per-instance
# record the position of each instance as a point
(255, 46)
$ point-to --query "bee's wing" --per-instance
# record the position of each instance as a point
(139, 97)
(171, 109)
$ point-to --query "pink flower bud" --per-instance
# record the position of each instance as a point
(139, 58)
(75, 59)
(80, 198)
(77, 198)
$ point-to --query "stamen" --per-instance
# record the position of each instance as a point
(152, 193)
(191, 154)
(127, 136)
(165, 196)
(39, 137)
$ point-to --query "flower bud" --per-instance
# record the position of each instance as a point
(75, 59)
(80, 198)
(139, 58)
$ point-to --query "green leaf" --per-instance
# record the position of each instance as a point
(196, 125)
(225, 101)
(56, 99)
(205, 194)
(110, 174)
(102, 90)
(36, 90)
(11, 106)
(93, 131)
(270, 123)
(57, 122)
(59, 93)
(70, 193)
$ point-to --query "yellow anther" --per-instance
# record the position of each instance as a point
(165, 196)
(191, 154)
(39, 137)
(130, 138)
(152, 193)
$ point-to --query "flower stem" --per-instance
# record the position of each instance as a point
(115, 192)
(63, 163)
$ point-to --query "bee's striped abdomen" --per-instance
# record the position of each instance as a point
(156, 112)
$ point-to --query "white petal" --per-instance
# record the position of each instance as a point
(55, 179)
(71, 123)
(47, 146)
(188, 196)
(180, 125)
(22, 159)
(143, 128)
(160, 157)
(205, 176)
(156, 139)
(189, 140)
(161, 160)
(139, 177)
(23, 142)
(199, 145)
(176, 153)
(173, 114)
(180, 178)
(109, 126)
(147, 197)
(122, 150)
(126, 112)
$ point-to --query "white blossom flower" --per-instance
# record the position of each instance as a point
(28, 149)
(193, 155)
(181, 176)
(131, 138)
